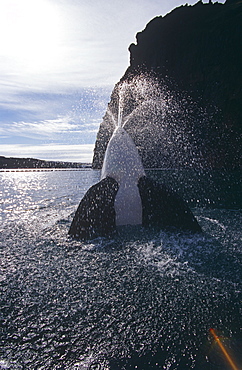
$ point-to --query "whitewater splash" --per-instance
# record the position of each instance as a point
(124, 195)
(120, 104)
(139, 97)
(141, 300)
(161, 122)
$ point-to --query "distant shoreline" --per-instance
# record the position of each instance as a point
(33, 164)
(44, 169)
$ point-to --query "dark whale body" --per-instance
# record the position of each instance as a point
(161, 208)
(95, 215)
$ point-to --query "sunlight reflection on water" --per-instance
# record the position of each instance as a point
(141, 299)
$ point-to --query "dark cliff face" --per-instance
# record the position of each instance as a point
(181, 94)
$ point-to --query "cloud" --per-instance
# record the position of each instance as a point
(48, 128)
(72, 44)
(74, 116)
(49, 105)
(59, 61)
(59, 152)
(42, 128)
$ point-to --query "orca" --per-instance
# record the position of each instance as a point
(126, 196)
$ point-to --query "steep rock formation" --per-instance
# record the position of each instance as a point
(181, 96)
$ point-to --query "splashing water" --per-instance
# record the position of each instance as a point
(120, 104)
(165, 125)
(143, 95)
(141, 299)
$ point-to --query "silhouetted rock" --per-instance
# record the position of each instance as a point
(181, 94)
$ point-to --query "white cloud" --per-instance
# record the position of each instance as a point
(85, 103)
(45, 128)
(53, 45)
(58, 152)
(59, 60)
(54, 117)
(39, 130)
(51, 130)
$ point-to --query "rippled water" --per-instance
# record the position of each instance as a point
(139, 300)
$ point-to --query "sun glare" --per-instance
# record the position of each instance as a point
(30, 34)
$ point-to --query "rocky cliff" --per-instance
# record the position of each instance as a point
(181, 98)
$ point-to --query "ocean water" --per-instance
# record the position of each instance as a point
(141, 299)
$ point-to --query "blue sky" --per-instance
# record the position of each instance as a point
(59, 61)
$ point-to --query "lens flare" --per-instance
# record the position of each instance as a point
(224, 351)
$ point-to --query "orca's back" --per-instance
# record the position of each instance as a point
(163, 208)
(95, 215)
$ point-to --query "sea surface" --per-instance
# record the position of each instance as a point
(140, 299)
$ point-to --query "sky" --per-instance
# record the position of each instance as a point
(59, 61)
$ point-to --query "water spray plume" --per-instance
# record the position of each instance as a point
(122, 89)
(224, 351)
(119, 115)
